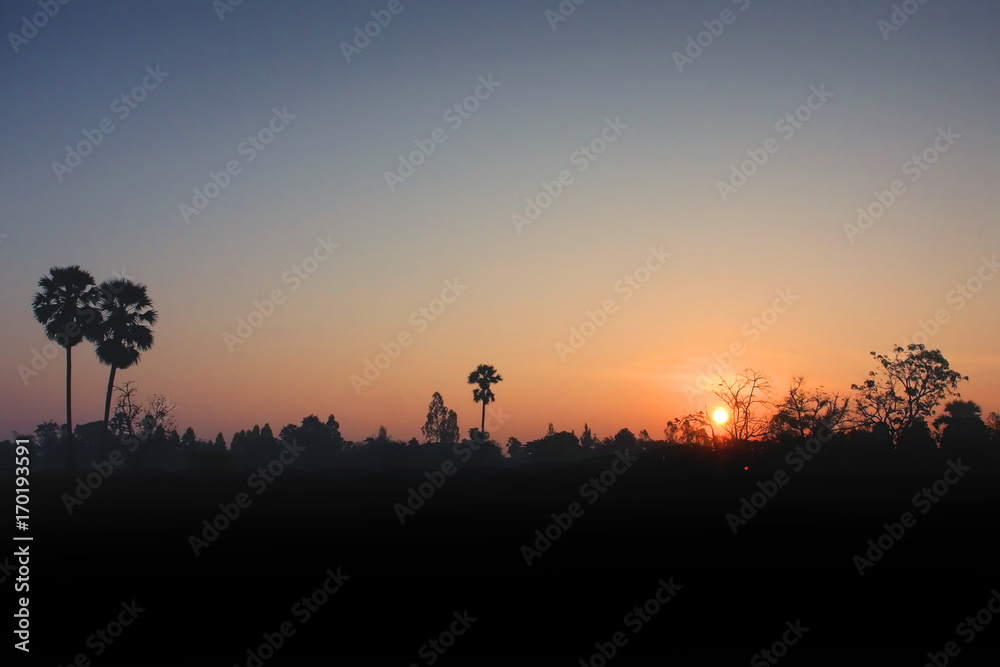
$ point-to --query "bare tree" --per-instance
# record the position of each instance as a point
(159, 415)
(746, 397)
(127, 410)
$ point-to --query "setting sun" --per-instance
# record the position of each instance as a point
(720, 416)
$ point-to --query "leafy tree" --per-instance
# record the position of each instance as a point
(317, 437)
(551, 430)
(442, 423)
(907, 387)
(963, 424)
(625, 439)
(65, 307)
(993, 427)
(333, 428)
(588, 440)
(515, 449)
(557, 446)
(220, 442)
(917, 436)
(126, 317)
(47, 434)
(644, 436)
(266, 433)
(805, 412)
(689, 430)
(288, 432)
(485, 377)
(189, 439)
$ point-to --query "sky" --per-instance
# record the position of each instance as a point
(683, 177)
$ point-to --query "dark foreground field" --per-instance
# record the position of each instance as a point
(457, 566)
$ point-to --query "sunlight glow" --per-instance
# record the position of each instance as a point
(720, 416)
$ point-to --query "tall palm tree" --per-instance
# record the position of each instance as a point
(64, 306)
(484, 376)
(127, 315)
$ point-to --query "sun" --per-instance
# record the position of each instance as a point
(720, 416)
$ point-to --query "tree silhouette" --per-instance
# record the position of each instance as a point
(917, 437)
(485, 376)
(906, 389)
(963, 424)
(127, 315)
(625, 439)
(442, 423)
(804, 412)
(64, 306)
(744, 396)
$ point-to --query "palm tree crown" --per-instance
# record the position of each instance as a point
(484, 376)
(127, 315)
(65, 307)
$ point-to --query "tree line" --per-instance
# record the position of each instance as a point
(895, 406)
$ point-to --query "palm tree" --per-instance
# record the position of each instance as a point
(963, 424)
(484, 376)
(64, 306)
(127, 314)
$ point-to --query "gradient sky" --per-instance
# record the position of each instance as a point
(656, 185)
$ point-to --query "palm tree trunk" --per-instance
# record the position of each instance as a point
(70, 463)
(482, 426)
(107, 410)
